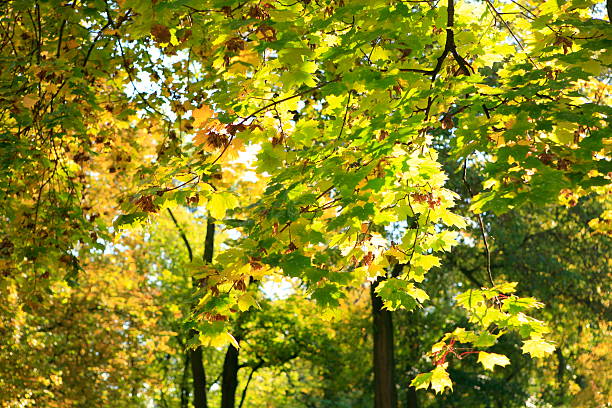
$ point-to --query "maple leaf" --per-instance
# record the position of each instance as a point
(537, 347)
(440, 380)
(490, 360)
(220, 203)
(161, 33)
(422, 381)
(246, 301)
(202, 115)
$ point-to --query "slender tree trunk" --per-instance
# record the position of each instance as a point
(385, 393)
(199, 377)
(209, 241)
(229, 384)
(194, 356)
(184, 382)
(197, 364)
(560, 372)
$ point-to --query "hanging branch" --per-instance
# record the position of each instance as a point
(481, 225)
(505, 23)
(182, 234)
(246, 386)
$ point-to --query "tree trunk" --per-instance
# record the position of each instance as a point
(385, 393)
(560, 372)
(199, 377)
(184, 381)
(229, 383)
(197, 364)
(411, 398)
(193, 357)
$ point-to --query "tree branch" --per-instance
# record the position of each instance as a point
(449, 48)
(182, 234)
(481, 224)
(246, 386)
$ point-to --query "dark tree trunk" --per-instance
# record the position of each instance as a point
(199, 377)
(194, 356)
(385, 393)
(229, 384)
(560, 372)
(197, 364)
(411, 398)
(184, 382)
(209, 241)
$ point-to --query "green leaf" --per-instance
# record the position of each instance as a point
(485, 339)
(422, 381)
(129, 220)
(400, 294)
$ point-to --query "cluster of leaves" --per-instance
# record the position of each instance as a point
(496, 311)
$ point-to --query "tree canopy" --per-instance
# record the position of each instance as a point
(203, 187)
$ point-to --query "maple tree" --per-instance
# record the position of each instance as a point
(313, 141)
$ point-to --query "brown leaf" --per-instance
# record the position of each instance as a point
(161, 33)
(291, 248)
(447, 122)
(145, 203)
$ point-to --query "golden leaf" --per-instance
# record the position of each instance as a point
(201, 116)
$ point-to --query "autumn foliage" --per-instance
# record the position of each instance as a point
(305, 203)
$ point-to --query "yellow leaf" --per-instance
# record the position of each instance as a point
(220, 203)
(537, 347)
(440, 379)
(425, 261)
(490, 360)
(219, 340)
(202, 115)
(438, 347)
(375, 269)
(453, 219)
(419, 294)
(244, 61)
(245, 302)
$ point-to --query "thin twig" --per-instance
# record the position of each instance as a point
(266, 107)
(182, 234)
(505, 23)
(346, 109)
(481, 224)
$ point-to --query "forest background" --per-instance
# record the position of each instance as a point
(344, 203)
